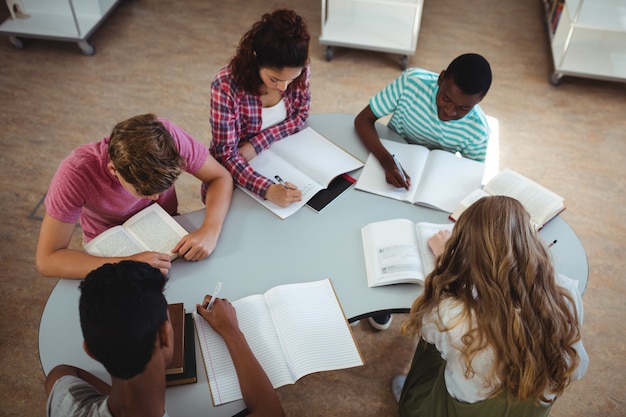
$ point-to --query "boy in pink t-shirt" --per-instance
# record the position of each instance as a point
(104, 183)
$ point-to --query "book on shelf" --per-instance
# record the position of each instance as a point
(177, 318)
(306, 159)
(188, 375)
(555, 14)
(293, 330)
(396, 251)
(151, 229)
(542, 204)
(439, 179)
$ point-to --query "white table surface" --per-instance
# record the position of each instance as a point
(257, 251)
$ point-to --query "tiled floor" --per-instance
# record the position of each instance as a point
(160, 56)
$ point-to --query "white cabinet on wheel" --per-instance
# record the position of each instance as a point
(64, 20)
(587, 38)
(377, 25)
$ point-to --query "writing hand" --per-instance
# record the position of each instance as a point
(222, 316)
(283, 195)
(154, 259)
(393, 177)
(437, 242)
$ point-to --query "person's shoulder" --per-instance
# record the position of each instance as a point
(420, 74)
(566, 282)
(224, 76)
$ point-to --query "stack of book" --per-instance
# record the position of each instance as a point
(182, 369)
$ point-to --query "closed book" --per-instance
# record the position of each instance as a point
(189, 375)
(177, 318)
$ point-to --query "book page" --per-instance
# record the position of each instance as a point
(269, 165)
(391, 253)
(256, 324)
(467, 201)
(448, 178)
(425, 231)
(541, 203)
(113, 242)
(312, 328)
(412, 158)
(315, 155)
(155, 229)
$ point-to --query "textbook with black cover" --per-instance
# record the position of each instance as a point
(306, 159)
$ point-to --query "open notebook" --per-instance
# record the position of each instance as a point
(293, 329)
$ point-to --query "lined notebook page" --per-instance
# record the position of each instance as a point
(308, 318)
(312, 328)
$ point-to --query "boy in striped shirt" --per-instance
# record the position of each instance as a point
(434, 110)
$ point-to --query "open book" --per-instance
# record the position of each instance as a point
(439, 179)
(396, 251)
(306, 159)
(152, 229)
(542, 204)
(294, 330)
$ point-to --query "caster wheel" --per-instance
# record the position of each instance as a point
(86, 48)
(404, 62)
(329, 53)
(555, 79)
(16, 42)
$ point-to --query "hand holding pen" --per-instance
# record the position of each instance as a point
(219, 313)
(404, 179)
(283, 193)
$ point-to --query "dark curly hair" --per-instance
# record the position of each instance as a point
(279, 40)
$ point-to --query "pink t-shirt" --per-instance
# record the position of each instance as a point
(84, 188)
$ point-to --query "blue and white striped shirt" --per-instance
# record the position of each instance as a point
(412, 100)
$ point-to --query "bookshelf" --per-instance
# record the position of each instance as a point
(587, 38)
(64, 20)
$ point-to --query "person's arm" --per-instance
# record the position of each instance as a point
(365, 125)
(200, 243)
(62, 370)
(256, 388)
(226, 112)
(54, 258)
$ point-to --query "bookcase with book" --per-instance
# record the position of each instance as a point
(587, 38)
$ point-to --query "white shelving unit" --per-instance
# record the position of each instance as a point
(64, 20)
(589, 39)
(377, 25)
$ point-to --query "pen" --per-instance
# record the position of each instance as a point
(399, 167)
(552, 244)
(214, 296)
(280, 181)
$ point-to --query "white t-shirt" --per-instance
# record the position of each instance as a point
(74, 397)
(478, 386)
(273, 115)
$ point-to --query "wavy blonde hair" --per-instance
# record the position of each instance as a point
(495, 264)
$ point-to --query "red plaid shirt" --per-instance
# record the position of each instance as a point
(236, 116)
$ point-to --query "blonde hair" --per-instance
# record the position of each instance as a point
(495, 264)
